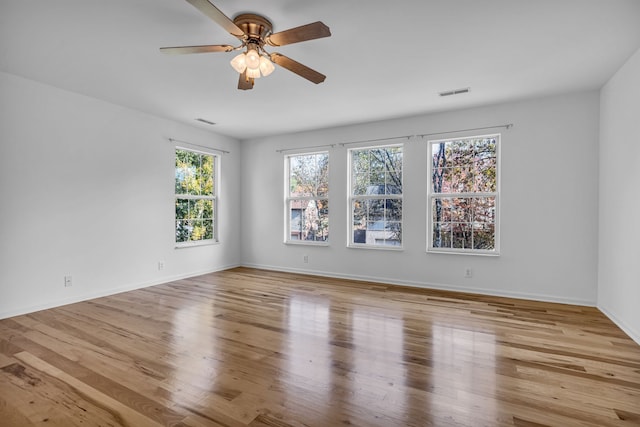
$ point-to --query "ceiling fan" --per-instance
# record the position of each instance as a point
(255, 32)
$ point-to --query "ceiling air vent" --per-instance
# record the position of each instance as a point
(455, 91)
(205, 121)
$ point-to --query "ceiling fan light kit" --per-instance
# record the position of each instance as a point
(255, 66)
(255, 31)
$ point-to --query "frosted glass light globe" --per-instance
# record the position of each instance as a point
(239, 63)
(253, 59)
(254, 73)
(266, 66)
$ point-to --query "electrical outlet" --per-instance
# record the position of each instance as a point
(468, 273)
(67, 281)
(305, 259)
(160, 265)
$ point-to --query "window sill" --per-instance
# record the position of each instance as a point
(377, 247)
(455, 252)
(305, 243)
(184, 245)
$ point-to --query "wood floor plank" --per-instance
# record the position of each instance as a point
(247, 347)
(122, 414)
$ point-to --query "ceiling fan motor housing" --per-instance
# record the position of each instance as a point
(256, 27)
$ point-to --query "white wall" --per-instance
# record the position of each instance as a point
(619, 245)
(86, 190)
(548, 213)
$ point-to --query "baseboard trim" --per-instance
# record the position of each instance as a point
(108, 292)
(424, 285)
(429, 285)
(627, 329)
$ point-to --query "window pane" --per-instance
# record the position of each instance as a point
(460, 210)
(441, 209)
(359, 213)
(375, 210)
(208, 229)
(309, 220)
(308, 175)
(441, 235)
(376, 163)
(360, 161)
(194, 209)
(190, 166)
(202, 208)
(360, 183)
(461, 236)
(463, 151)
(484, 209)
(198, 230)
(182, 209)
(296, 220)
(182, 171)
(485, 176)
(183, 230)
(206, 176)
(484, 236)
(394, 210)
(179, 183)
(393, 236)
(360, 171)
(208, 209)
(485, 148)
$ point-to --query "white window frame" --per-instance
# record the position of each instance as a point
(288, 198)
(213, 197)
(431, 196)
(353, 197)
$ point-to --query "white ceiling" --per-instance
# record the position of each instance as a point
(384, 59)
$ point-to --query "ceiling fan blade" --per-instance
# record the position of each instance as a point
(303, 33)
(245, 83)
(180, 50)
(296, 67)
(207, 8)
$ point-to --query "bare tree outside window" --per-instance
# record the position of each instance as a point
(308, 198)
(463, 194)
(376, 196)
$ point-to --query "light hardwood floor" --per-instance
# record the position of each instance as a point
(247, 347)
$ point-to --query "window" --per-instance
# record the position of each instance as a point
(307, 198)
(195, 194)
(463, 195)
(375, 198)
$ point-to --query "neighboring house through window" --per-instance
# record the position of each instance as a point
(195, 197)
(375, 198)
(307, 198)
(463, 195)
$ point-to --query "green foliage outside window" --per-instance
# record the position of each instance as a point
(195, 196)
